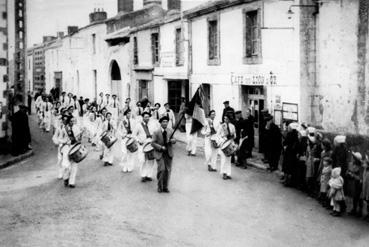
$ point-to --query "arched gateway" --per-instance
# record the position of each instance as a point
(116, 79)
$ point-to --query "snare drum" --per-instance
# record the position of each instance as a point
(229, 147)
(215, 141)
(148, 150)
(78, 152)
(132, 145)
(108, 139)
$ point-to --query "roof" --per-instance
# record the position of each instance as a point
(170, 16)
(120, 34)
(212, 6)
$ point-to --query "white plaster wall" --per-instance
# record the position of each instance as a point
(337, 70)
(280, 53)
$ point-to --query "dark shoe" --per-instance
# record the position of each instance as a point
(66, 182)
(110, 164)
(148, 179)
(143, 180)
(225, 176)
(166, 191)
(194, 155)
(209, 168)
(212, 170)
(160, 190)
(72, 186)
(229, 177)
(106, 163)
(101, 157)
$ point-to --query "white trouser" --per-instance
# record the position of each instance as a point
(60, 166)
(108, 155)
(225, 164)
(210, 154)
(70, 173)
(70, 168)
(147, 168)
(128, 158)
(191, 140)
(47, 121)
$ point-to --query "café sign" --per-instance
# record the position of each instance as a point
(254, 79)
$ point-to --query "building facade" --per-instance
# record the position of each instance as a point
(3, 67)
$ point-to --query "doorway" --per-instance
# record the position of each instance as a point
(58, 79)
(176, 90)
(253, 98)
(116, 79)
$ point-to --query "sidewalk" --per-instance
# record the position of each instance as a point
(8, 160)
(255, 161)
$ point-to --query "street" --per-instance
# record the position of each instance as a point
(111, 208)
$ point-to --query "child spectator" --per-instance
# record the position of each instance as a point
(324, 179)
(354, 180)
(336, 194)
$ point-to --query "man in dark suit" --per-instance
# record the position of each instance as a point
(163, 153)
(228, 111)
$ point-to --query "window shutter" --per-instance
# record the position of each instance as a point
(248, 36)
(258, 50)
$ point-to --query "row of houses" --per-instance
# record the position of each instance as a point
(302, 60)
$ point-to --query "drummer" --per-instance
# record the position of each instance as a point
(68, 137)
(114, 108)
(210, 133)
(109, 126)
(226, 131)
(125, 132)
(143, 133)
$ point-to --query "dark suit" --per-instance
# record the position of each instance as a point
(163, 158)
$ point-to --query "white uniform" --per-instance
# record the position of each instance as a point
(108, 154)
(172, 119)
(114, 109)
(47, 108)
(209, 131)
(58, 139)
(191, 138)
(70, 168)
(39, 106)
(225, 162)
(143, 137)
(128, 158)
(100, 103)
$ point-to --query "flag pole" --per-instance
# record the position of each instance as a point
(177, 125)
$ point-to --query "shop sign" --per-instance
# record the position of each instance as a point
(167, 59)
(254, 79)
(290, 111)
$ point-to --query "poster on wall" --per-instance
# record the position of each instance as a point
(290, 112)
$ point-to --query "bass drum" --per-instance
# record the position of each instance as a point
(132, 145)
(108, 139)
(148, 150)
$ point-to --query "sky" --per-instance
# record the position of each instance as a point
(46, 17)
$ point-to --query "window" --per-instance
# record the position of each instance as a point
(213, 40)
(93, 43)
(179, 47)
(155, 48)
(252, 37)
(135, 51)
(143, 89)
(3, 62)
(5, 46)
(5, 15)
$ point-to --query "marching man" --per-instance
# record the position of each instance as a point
(143, 133)
(110, 127)
(227, 131)
(170, 114)
(47, 114)
(191, 138)
(68, 137)
(100, 101)
(125, 131)
(209, 131)
(114, 107)
(162, 142)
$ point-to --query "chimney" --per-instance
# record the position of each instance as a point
(174, 4)
(60, 35)
(149, 2)
(98, 15)
(72, 29)
(125, 6)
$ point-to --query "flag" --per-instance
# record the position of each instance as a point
(196, 110)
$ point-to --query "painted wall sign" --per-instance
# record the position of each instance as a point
(254, 79)
(167, 59)
(290, 111)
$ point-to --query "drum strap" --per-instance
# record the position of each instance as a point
(70, 134)
(146, 129)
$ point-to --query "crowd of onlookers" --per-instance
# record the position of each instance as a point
(324, 169)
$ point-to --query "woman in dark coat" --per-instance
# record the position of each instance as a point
(21, 136)
(289, 164)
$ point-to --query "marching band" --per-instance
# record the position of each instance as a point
(126, 134)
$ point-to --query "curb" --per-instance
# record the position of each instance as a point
(16, 159)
